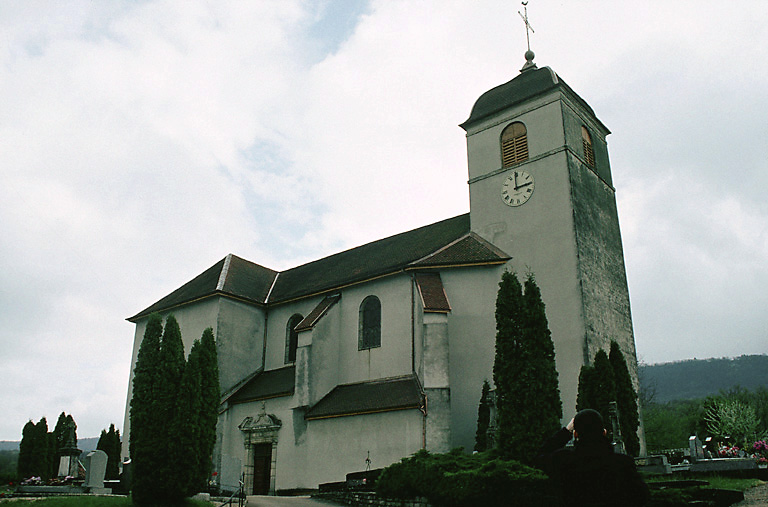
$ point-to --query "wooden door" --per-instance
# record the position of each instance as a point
(262, 468)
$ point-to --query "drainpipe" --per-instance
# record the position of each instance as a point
(264, 347)
(413, 324)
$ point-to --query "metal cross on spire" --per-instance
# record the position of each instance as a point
(528, 54)
(527, 24)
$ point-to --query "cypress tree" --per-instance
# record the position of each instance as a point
(540, 406)
(24, 467)
(210, 397)
(188, 421)
(171, 369)
(626, 400)
(60, 432)
(41, 450)
(483, 419)
(109, 442)
(597, 387)
(527, 394)
(509, 304)
(144, 420)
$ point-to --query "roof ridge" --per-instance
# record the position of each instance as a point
(224, 272)
(272, 287)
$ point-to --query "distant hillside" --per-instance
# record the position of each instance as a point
(84, 444)
(698, 378)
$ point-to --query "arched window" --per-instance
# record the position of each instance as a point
(370, 323)
(514, 144)
(292, 338)
(586, 142)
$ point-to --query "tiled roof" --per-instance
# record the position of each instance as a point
(267, 384)
(467, 250)
(523, 87)
(232, 276)
(442, 244)
(383, 395)
(432, 293)
(368, 261)
(310, 320)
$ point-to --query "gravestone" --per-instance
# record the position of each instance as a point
(95, 470)
(695, 448)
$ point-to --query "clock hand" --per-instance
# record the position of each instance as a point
(517, 187)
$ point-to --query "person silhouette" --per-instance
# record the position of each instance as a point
(590, 473)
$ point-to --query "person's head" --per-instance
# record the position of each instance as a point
(588, 425)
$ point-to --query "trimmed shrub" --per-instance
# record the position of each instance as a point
(456, 479)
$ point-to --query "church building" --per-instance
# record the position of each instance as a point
(366, 356)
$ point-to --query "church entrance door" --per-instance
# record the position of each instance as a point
(262, 454)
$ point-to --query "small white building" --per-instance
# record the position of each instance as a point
(371, 354)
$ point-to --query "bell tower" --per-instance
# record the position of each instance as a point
(541, 190)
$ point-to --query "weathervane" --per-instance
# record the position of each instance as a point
(528, 54)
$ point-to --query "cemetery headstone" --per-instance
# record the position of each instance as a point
(695, 448)
(95, 470)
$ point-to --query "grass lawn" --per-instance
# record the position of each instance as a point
(91, 501)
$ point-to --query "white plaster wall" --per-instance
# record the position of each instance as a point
(540, 234)
(393, 358)
(239, 334)
(324, 363)
(277, 324)
(472, 339)
(340, 445)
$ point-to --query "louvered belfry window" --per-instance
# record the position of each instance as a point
(514, 144)
(586, 141)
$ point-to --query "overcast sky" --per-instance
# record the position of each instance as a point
(142, 141)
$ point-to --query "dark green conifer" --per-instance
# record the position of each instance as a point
(188, 421)
(527, 394)
(597, 387)
(506, 376)
(41, 450)
(210, 398)
(540, 406)
(24, 467)
(626, 400)
(483, 419)
(171, 369)
(109, 442)
(145, 422)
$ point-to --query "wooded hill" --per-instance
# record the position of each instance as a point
(698, 378)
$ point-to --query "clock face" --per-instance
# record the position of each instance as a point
(517, 188)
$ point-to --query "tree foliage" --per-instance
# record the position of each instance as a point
(527, 395)
(109, 442)
(731, 419)
(626, 400)
(483, 419)
(597, 387)
(174, 412)
(146, 423)
(25, 466)
(210, 397)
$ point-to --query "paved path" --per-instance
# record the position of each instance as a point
(286, 501)
(755, 496)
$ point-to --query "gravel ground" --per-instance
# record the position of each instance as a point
(755, 496)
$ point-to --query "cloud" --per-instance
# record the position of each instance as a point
(142, 142)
